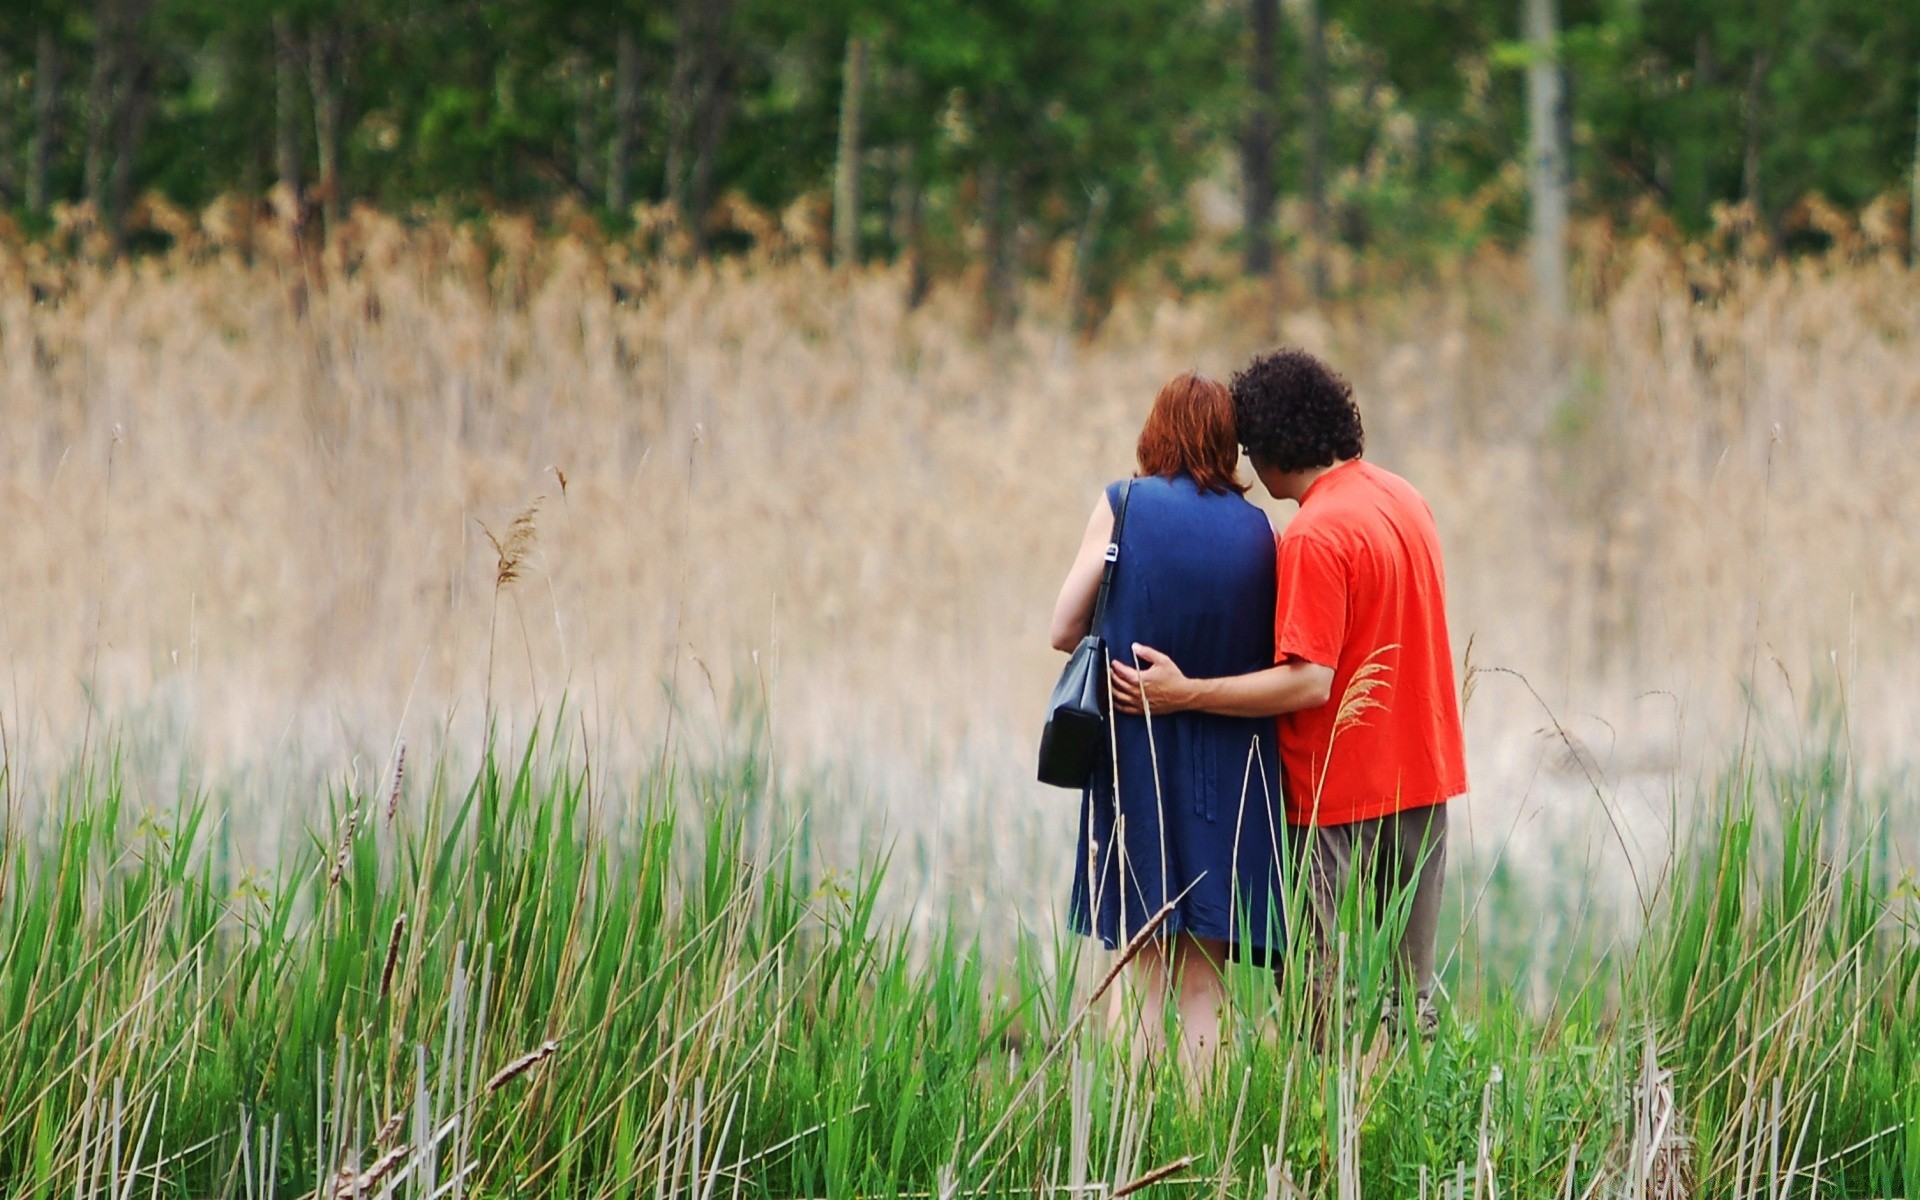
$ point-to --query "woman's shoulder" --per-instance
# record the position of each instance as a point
(1135, 485)
(1154, 483)
(1183, 487)
(1229, 501)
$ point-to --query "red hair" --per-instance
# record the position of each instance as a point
(1190, 432)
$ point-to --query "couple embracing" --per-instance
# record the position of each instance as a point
(1284, 718)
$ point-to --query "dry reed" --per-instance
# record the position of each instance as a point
(758, 453)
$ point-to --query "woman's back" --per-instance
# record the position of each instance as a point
(1188, 805)
(1195, 578)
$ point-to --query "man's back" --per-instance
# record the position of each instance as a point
(1362, 590)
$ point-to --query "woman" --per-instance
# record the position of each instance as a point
(1185, 810)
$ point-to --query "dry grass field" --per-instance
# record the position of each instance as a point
(248, 501)
(265, 516)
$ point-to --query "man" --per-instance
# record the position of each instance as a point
(1363, 681)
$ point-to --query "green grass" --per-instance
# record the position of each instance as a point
(733, 1020)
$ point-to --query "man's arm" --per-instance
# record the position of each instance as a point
(1164, 688)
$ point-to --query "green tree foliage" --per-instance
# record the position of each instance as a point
(1434, 118)
(1701, 102)
(995, 129)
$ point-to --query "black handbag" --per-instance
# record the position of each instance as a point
(1076, 732)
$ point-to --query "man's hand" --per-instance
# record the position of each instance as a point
(1162, 687)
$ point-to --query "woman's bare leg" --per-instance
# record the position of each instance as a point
(1139, 1005)
(1189, 973)
(1199, 968)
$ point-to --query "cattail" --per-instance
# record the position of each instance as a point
(1133, 948)
(347, 1185)
(520, 1066)
(1154, 1176)
(391, 1127)
(399, 774)
(393, 954)
(346, 847)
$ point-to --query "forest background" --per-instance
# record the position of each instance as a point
(977, 135)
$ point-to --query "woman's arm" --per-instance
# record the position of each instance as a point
(1073, 611)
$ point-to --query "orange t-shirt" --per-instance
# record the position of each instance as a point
(1361, 590)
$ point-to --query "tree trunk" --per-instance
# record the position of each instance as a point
(46, 118)
(1257, 136)
(681, 89)
(1083, 250)
(903, 199)
(906, 225)
(998, 209)
(136, 103)
(1913, 199)
(9, 134)
(119, 94)
(1750, 159)
(702, 90)
(587, 175)
(100, 102)
(1316, 181)
(716, 108)
(326, 66)
(1546, 161)
(286, 118)
(626, 116)
(846, 167)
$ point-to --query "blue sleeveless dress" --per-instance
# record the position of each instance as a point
(1188, 805)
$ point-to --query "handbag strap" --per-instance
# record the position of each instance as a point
(1113, 556)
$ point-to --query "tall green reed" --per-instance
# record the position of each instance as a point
(535, 983)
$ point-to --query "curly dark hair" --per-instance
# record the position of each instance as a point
(1295, 413)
